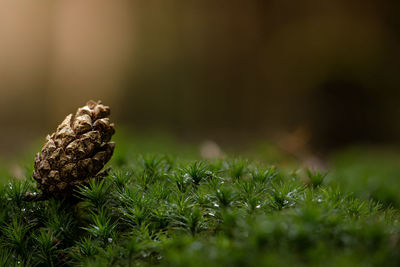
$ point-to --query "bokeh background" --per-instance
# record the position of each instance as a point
(309, 75)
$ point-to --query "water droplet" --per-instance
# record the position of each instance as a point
(187, 178)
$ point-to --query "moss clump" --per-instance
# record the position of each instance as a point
(166, 211)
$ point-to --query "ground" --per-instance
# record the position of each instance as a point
(163, 205)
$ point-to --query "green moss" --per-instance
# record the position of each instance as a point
(158, 209)
(368, 173)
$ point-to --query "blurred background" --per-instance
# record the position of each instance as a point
(309, 76)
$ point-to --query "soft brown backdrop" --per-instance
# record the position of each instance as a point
(207, 69)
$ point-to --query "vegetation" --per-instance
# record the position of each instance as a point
(369, 173)
(159, 209)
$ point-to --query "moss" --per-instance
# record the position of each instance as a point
(158, 209)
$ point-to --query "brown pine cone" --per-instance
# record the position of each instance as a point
(77, 151)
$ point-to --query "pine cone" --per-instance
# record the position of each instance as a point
(77, 151)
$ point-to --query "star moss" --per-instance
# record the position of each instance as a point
(171, 212)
